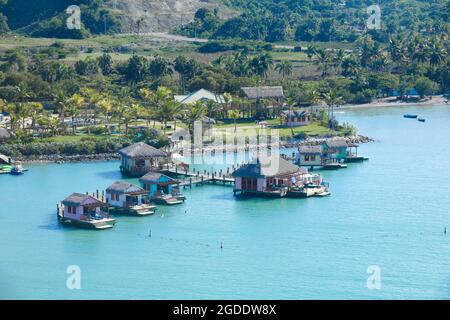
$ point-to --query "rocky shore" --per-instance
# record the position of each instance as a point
(357, 139)
(65, 159)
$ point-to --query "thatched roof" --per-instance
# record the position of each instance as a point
(263, 92)
(4, 134)
(155, 177)
(78, 199)
(264, 166)
(310, 149)
(124, 187)
(141, 150)
(336, 143)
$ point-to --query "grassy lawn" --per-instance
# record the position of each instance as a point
(71, 138)
(313, 129)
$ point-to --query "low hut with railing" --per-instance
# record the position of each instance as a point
(268, 176)
(126, 198)
(139, 158)
(83, 210)
(162, 189)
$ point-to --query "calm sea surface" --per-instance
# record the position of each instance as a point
(389, 212)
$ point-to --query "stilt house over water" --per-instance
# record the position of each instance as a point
(267, 176)
(140, 158)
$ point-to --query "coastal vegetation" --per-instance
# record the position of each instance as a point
(80, 91)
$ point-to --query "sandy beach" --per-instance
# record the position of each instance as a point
(390, 102)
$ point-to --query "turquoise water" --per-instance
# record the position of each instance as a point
(390, 211)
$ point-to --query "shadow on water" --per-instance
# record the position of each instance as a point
(116, 174)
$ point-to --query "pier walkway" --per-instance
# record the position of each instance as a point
(198, 177)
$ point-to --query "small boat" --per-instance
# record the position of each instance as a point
(17, 170)
(168, 200)
(410, 116)
(323, 194)
(334, 166)
(5, 169)
(353, 158)
(421, 119)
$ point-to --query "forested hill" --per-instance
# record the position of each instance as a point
(265, 20)
(321, 20)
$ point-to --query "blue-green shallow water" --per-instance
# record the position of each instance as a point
(390, 211)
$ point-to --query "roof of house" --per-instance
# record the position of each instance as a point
(263, 92)
(124, 187)
(156, 177)
(265, 166)
(295, 113)
(141, 149)
(336, 143)
(4, 134)
(81, 199)
(310, 149)
(200, 95)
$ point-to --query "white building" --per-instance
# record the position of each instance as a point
(200, 95)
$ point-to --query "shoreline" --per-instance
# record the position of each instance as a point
(61, 159)
(388, 102)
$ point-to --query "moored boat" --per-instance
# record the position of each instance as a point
(421, 119)
(410, 116)
(17, 170)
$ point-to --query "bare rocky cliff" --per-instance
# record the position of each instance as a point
(160, 15)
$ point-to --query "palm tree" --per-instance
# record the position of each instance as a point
(34, 112)
(211, 108)
(261, 64)
(311, 51)
(314, 98)
(290, 103)
(284, 68)
(227, 98)
(74, 104)
(194, 112)
(61, 103)
(323, 61)
(234, 114)
(105, 106)
(3, 105)
(105, 64)
(155, 101)
(332, 99)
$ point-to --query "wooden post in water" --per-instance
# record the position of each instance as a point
(190, 182)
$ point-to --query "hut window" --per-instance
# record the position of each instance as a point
(313, 157)
(307, 157)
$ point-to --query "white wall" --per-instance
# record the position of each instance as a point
(316, 162)
(238, 181)
(261, 184)
(119, 203)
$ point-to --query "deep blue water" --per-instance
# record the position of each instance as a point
(390, 211)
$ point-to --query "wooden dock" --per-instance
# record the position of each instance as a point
(197, 177)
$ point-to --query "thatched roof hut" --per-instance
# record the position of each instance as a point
(141, 150)
(275, 92)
